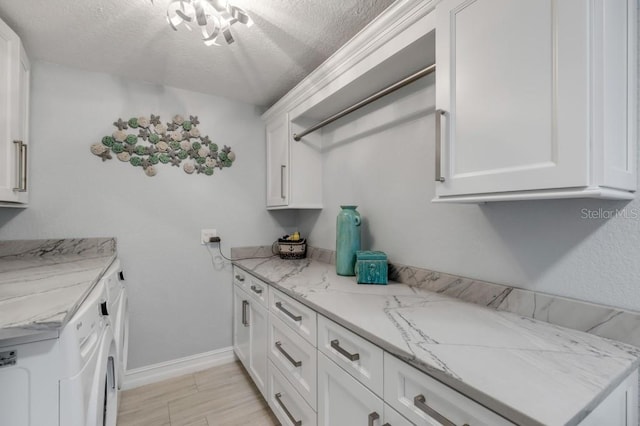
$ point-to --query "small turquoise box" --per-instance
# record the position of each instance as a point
(371, 267)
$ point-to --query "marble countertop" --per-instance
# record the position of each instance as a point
(43, 282)
(529, 371)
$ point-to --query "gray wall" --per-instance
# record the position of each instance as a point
(180, 302)
(387, 169)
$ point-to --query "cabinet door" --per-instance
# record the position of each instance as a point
(258, 331)
(512, 82)
(9, 57)
(21, 128)
(241, 325)
(278, 162)
(342, 400)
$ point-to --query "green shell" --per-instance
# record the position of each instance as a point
(132, 139)
(153, 159)
(141, 150)
(174, 145)
(196, 145)
(183, 155)
(135, 161)
(213, 147)
(133, 123)
(208, 171)
(201, 160)
(187, 125)
(227, 163)
(117, 147)
(222, 156)
(164, 158)
(108, 141)
(154, 138)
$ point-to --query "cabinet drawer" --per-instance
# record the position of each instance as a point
(286, 403)
(294, 314)
(294, 357)
(414, 394)
(258, 290)
(240, 278)
(360, 358)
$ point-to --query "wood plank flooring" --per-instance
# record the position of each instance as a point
(220, 396)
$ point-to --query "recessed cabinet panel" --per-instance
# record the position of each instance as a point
(278, 162)
(258, 331)
(512, 80)
(342, 400)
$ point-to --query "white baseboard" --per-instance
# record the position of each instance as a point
(177, 367)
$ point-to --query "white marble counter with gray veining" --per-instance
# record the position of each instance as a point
(43, 282)
(531, 372)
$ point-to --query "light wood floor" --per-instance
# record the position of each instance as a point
(220, 396)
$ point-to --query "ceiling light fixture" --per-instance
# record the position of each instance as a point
(214, 17)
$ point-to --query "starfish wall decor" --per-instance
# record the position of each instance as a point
(155, 143)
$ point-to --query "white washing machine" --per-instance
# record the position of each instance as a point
(65, 380)
(118, 306)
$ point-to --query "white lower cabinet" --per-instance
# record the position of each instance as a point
(342, 400)
(295, 357)
(250, 328)
(286, 403)
(426, 401)
(241, 325)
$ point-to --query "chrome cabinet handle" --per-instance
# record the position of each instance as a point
(287, 356)
(420, 402)
(256, 289)
(286, 411)
(439, 114)
(287, 313)
(245, 322)
(21, 177)
(282, 167)
(240, 278)
(373, 417)
(335, 344)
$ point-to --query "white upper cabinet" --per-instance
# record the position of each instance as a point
(14, 119)
(535, 99)
(278, 162)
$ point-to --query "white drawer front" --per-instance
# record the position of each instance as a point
(341, 346)
(294, 357)
(293, 313)
(403, 384)
(240, 278)
(285, 402)
(393, 418)
(258, 290)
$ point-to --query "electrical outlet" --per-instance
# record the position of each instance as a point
(206, 235)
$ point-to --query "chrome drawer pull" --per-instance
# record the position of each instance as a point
(287, 356)
(293, 419)
(245, 322)
(287, 313)
(420, 402)
(240, 278)
(335, 344)
(373, 417)
(256, 289)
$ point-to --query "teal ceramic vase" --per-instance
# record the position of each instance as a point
(347, 240)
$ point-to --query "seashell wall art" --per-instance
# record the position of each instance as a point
(146, 142)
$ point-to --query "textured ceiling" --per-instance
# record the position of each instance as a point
(131, 38)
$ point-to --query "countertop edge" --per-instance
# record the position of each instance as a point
(476, 395)
(30, 329)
